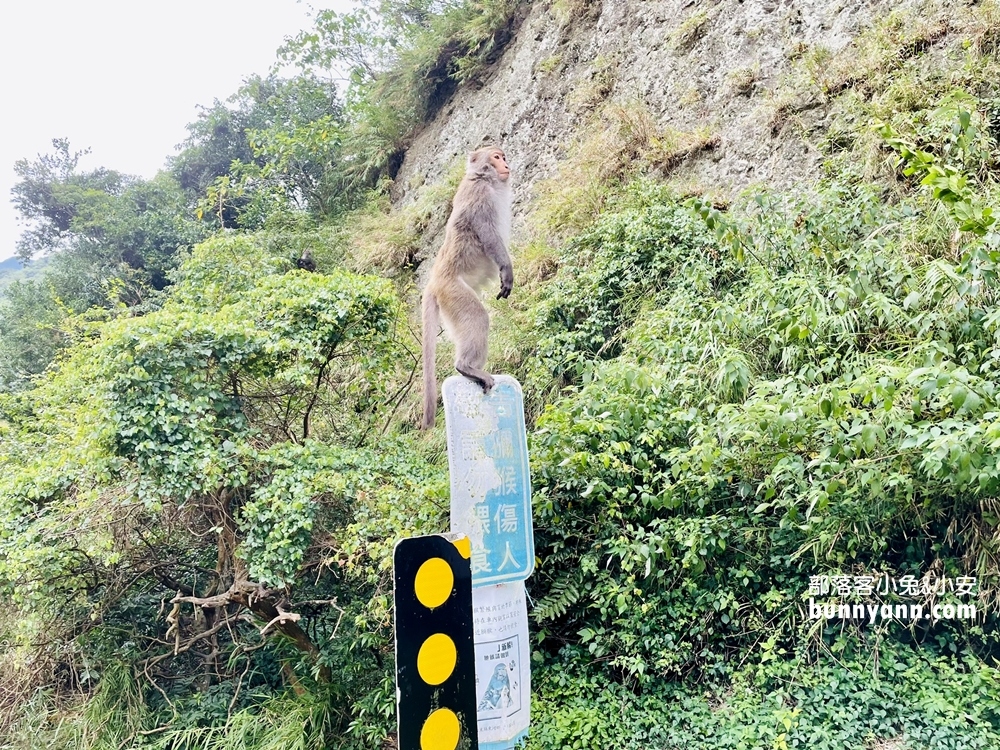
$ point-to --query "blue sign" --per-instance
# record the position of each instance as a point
(490, 484)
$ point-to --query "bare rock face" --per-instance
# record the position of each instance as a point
(723, 67)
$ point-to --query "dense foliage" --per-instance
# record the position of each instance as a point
(207, 455)
(803, 399)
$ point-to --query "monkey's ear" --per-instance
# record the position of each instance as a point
(479, 163)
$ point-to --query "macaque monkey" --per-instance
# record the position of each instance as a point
(473, 256)
(305, 261)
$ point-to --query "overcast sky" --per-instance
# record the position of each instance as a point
(123, 77)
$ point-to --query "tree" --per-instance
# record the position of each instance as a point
(55, 197)
(113, 240)
(30, 317)
(104, 225)
(175, 458)
(275, 142)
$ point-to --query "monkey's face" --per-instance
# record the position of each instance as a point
(487, 158)
(499, 163)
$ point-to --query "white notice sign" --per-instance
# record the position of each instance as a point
(503, 674)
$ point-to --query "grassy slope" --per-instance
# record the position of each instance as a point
(751, 406)
(766, 405)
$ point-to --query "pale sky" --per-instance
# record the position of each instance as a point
(123, 77)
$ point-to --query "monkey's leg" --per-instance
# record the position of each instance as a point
(470, 326)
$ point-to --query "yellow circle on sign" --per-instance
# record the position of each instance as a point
(441, 731)
(436, 659)
(434, 582)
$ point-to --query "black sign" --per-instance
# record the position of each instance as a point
(435, 652)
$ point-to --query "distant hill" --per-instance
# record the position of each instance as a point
(12, 270)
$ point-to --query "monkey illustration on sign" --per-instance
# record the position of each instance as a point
(473, 256)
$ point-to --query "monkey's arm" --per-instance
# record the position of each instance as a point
(493, 245)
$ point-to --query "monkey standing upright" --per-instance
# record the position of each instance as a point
(474, 254)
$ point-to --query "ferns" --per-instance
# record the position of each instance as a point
(563, 593)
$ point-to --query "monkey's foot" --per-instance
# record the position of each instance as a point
(486, 381)
(483, 378)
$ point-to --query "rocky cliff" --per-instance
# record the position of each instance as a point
(718, 82)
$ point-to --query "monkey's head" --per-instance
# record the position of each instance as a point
(489, 162)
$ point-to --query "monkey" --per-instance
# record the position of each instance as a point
(305, 261)
(474, 254)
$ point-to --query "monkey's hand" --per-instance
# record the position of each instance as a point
(506, 283)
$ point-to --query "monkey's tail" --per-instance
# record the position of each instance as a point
(431, 324)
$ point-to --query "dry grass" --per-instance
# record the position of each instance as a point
(381, 240)
(596, 87)
(620, 142)
(742, 80)
(684, 37)
(867, 61)
(984, 28)
(22, 675)
(899, 71)
(537, 263)
(675, 146)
